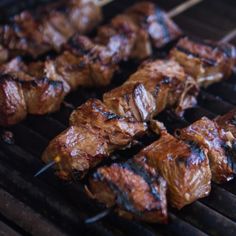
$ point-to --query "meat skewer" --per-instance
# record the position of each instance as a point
(83, 62)
(97, 124)
(155, 86)
(186, 164)
(30, 34)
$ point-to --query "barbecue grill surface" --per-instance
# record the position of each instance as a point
(48, 206)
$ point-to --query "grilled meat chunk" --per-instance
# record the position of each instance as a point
(206, 61)
(30, 34)
(228, 122)
(99, 61)
(135, 189)
(25, 90)
(220, 147)
(184, 166)
(153, 20)
(126, 37)
(95, 132)
(155, 86)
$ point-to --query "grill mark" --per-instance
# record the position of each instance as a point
(162, 22)
(122, 198)
(107, 114)
(35, 82)
(224, 48)
(230, 153)
(210, 62)
(196, 154)
(142, 172)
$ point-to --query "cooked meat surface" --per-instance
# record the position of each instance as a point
(136, 190)
(25, 90)
(33, 35)
(184, 166)
(219, 145)
(228, 122)
(155, 86)
(84, 144)
(153, 20)
(206, 61)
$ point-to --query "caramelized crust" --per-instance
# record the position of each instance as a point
(84, 144)
(206, 61)
(30, 34)
(184, 166)
(155, 86)
(220, 147)
(136, 190)
(153, 20)
(228, 122)
(126, 37)
(26, 90)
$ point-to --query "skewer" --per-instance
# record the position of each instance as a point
(99, 216)
(48, 166)
(173, 13)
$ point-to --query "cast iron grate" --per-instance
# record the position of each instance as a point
(47, 206)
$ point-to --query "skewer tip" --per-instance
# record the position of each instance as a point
(49, 165)
(97, 217)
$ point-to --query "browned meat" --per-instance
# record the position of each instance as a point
(99, 61)
(31, 34)
(84, 144)
(153, 20)
(206, 61)
(228, 122)
(125, 37)
(155, 86)
(184, 166)
(219, 145)
(25, 90)
(135, 189)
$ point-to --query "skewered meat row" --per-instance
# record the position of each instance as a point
(181, 167)
(206, 61)
(83, 62)
(72, 150)
(193, 55)
(34, 34)
(155, 86)
(149, 175)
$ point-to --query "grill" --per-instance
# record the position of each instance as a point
(48, 206)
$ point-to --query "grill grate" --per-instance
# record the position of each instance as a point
(45, 205)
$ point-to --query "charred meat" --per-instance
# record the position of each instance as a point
(206, 61)
(33, 35)
(219, 144)
(94, 133)
(155, 86)
(135, 189)
(184, 166)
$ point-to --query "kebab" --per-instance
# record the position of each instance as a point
(66, 146)
(155, 86)
(192, 159)
(83, 62)
(182, 167)
(48, 28)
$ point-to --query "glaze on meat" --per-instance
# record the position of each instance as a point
(33, 35)
(136, 190)
(94, 133)
(155, 86)
(219, 145)
(206, 61)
